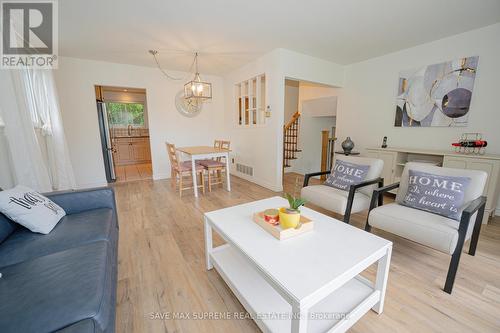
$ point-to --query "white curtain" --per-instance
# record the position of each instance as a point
(35, 133)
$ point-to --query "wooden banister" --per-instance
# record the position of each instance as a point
(324, 151)
(295, 116)
(290, 140)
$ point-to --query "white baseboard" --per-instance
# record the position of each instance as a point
(91, 185)
(259, 182)
(272, 187)
(161, 175)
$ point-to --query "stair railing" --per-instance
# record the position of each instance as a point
(291, 139)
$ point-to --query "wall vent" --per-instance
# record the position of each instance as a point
(245, 169)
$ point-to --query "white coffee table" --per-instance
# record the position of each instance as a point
(300, 284)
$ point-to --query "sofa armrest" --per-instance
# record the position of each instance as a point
(307, 176)
(82, 200)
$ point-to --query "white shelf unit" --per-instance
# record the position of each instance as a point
(272, 312)
(396, 158)
(250, 101)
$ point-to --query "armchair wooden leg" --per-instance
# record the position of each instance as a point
(368, 228)
(455, 260)
(347, 217)
(350, 201)
(373, 204)
(452, 270)
(477, 230)
(381, 196)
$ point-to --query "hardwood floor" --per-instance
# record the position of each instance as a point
(131, 172)
(162, 272)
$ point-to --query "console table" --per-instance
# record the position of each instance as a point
(396, 158)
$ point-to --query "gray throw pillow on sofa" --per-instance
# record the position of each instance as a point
(442, 195)
(344, 174)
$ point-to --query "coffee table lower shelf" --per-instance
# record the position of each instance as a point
(272, 312)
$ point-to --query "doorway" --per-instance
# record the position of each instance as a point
(125, 140)
(309, 130)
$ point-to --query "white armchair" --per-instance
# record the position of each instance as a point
(435, 231)
(342, 202)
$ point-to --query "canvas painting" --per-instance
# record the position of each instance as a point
(437, 95)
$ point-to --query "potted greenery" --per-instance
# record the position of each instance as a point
(290, 217)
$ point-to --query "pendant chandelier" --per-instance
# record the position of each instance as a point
(196, 90)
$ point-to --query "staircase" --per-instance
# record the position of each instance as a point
(291, 140)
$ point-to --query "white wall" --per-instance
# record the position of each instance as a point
(291, 99)
(75, 81)
(367, 105)
(262, 147)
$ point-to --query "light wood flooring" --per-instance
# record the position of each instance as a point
(126, 173)
(162, 271)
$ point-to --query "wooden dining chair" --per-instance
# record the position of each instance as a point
(215, 167)
(181, 169)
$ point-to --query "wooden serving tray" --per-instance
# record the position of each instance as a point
(278, 232)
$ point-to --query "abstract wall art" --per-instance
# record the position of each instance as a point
(437, 95)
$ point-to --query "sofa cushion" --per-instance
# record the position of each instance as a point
(7, 227)
(435, 231)
(334, 199)
(73, 230)
(58, 290)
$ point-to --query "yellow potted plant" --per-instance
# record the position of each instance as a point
(290, 217)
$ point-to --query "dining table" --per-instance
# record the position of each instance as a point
(205, 152)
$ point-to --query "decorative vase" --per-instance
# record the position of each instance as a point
(347, 145)
(288, 220)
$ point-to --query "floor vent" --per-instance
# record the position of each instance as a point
(245, 169)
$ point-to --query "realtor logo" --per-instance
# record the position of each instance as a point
(29, 34)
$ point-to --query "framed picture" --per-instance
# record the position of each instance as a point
(438, 95)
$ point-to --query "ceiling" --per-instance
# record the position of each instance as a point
(230, 33)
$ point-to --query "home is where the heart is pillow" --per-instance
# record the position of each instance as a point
(344, 174)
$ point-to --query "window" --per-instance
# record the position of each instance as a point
(124, 114)
(251, 102)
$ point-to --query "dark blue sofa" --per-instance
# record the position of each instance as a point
(64, 281)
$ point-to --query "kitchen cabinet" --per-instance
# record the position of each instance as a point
(396, 158)
(131, 150)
